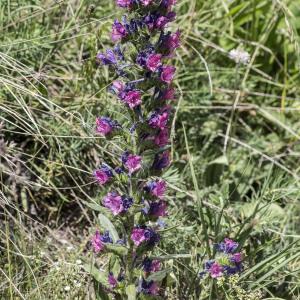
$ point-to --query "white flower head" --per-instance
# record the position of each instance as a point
(67, 288)
(239, 56)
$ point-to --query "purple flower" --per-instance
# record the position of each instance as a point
(168, 3)
(208, 264)
(161, 22)
(118, 52)
(133, 26)
(145, 2)
(117, 87)
(141, 234)
(228, 246)
(113, 201)
(148, 287)
(216, 270)
(127, 202)
(161, 161)
(143, 56)
(230, 270)
(149, 20)
(132, 98)
(103, 174)
(151, 265)
(157, 188)
(167, 74)
(168, 94)
(116, 203)
(132, 162)
(107, 59)
(121, 242)
(105, 125)
(124, 3)
(112, 280)
(158, 209)
(151, 236)
(237, 257)
(138, 236)
(159, 119)
(118, 31)
(97, 243)
(119, 170)
(172, 41)
(162, 139)
(153, 62)
(101, 177)
(105, 238)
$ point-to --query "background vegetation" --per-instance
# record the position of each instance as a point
(235, 144)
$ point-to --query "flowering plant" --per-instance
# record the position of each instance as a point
(223, 273)
(135, 198)
(228, 260)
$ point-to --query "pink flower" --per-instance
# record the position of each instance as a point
(112, 280)
(158, 209)
(104, 125)
(216, 270)
(155, 266)
(159, 120)
(154, 289)
(138, 236)
(145, 2)
(153, 62)
(230, 245)
(237, 257)
(167, 74)
(159, 189)
(101, 176)
(168, 94)
(124, 3)
(97, 243)
(161, 22)
(172, 41)
(162, 139)
(133, 163)
(118, 86)
(133, 99)
(113, 201)
(118, 31)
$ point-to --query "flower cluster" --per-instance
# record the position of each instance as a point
(143, 87)
(228, 260)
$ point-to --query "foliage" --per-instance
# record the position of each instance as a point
(50, 91)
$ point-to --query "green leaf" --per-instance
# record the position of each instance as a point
(96, 273)
(108, 225)
(116, 249)
(131, 292)
(160, 275)
(95, 207)
(222, 160)
(172, 256)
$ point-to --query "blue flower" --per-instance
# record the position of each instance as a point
(105, 238)
(208, 264)
(161, 161)
(107, 59)
(127, 202)
(228, 246)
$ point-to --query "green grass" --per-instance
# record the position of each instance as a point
(235, 172)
